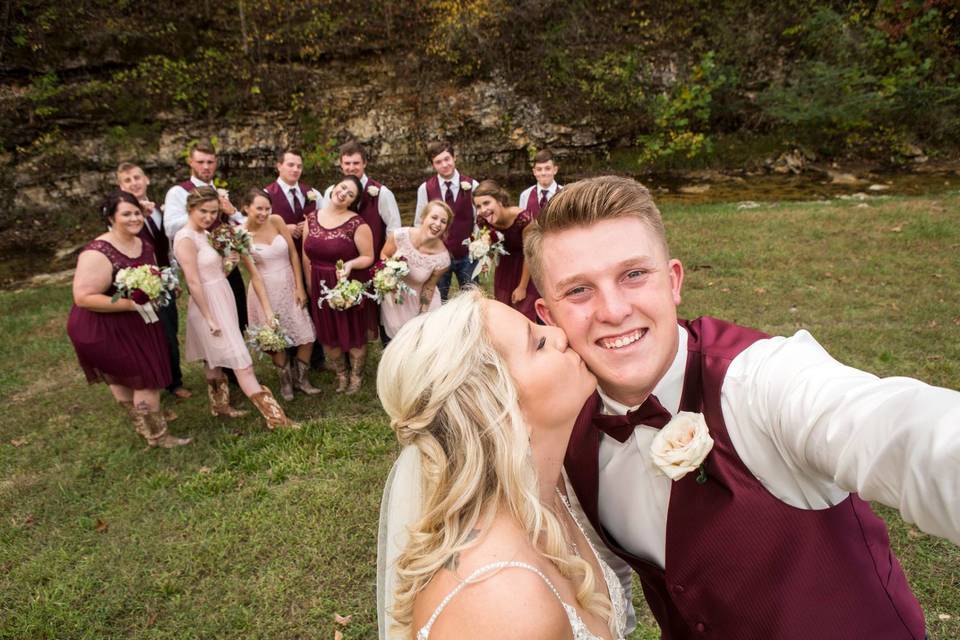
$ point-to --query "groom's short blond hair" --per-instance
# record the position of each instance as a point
(585, 203)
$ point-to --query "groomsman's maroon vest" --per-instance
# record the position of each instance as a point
(281, 205)
(462, 224)
(741, 564)
(533, 200)
(370, 212)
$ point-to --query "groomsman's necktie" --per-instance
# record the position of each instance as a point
(651, 413)
(543, 198)
(297, 207)
(160, 243)
(448, 196)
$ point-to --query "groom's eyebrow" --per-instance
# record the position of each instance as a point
(578, 278)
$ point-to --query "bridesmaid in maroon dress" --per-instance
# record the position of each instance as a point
(114, 344)
(511, 282)
(335, 232)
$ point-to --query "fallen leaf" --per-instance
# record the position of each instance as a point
(725, 290)
(203, 470)
(759, 291)
(897, 229)
(341, 620)
(19, 442)
(944, 617)
(152, 619)
(913, 533)
(101, 526)
(337, 635)
(932, 324)
(956, 320)
(28, 521)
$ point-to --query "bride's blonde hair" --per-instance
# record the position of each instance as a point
(449, 393)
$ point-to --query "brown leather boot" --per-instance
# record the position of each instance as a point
(156, 428)
(356, 373)
(218, 392)
(300, 379)
(271, 411)
(286, 380)
(136, 418)
(338, 367)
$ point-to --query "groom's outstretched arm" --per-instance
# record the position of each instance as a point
(837, 430)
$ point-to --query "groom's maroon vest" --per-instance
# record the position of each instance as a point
(369, 210)
(462, 224)
(740, 563)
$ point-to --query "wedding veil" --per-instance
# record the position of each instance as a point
(400, 507)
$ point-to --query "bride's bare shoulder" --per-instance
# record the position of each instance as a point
(505, 602)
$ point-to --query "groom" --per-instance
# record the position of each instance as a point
(767, 538)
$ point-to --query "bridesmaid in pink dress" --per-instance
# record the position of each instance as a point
(213, 334)
(278, 261)
(428, 260)
(511, 282)
(113, 341)
(336, 232)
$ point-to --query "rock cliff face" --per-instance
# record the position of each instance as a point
(492, 126)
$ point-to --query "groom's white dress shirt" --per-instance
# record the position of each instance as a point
(811, 430)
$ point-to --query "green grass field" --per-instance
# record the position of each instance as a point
(252, 534)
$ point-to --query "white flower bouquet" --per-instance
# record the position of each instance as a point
(345, 294)
(388, 279)
(268, 338)
(485, 246)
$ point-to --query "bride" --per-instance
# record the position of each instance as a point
(477, 539)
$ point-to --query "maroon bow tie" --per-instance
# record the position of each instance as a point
(651, 413)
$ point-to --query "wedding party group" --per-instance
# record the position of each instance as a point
(559, 439)
(333, 270)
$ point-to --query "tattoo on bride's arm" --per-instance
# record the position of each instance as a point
(454, 561)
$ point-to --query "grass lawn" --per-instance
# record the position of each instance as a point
(252, 534)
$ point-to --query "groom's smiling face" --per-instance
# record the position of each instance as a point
(612, 288)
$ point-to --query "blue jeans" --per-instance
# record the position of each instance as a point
(463, 267)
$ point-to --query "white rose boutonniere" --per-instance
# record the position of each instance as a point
(313, 195)
(373, 191)
(682, 446)
(466, 186)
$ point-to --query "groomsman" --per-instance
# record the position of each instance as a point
(456, 190)
(203, 165)
(133, 180)
(534, 199)
(378, 205)
(288, 196)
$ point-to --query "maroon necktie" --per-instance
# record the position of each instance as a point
(297, 207)
(651, 413)
(448, 196)
(160, 243)
(543, 198)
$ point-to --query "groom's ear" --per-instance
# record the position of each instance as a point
(543, 312)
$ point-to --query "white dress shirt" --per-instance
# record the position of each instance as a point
(386, 205)
(811, 430)
(454, 188)
(535, 189)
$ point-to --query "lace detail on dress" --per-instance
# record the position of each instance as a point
(429, 261)
(618, 599)
(580, 630)
(344, 231)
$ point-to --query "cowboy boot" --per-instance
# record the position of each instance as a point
(286, 380)
(136, 418)
(271, 411)
(156, 431)
(356, 373)
(301, 380)
(218, 391)
(338, 367)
